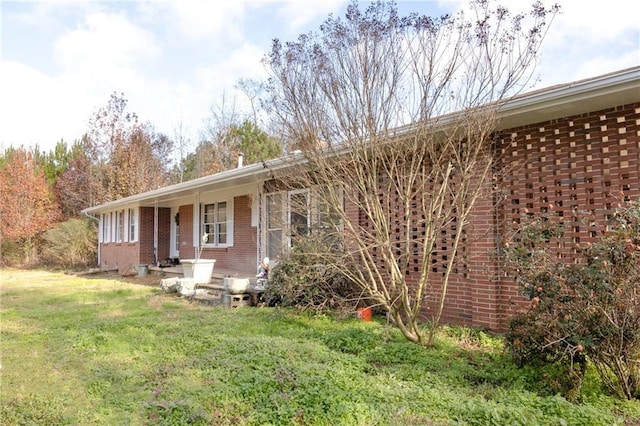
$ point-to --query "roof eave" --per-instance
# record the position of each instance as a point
(614, 89)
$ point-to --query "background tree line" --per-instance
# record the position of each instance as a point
(42, 194)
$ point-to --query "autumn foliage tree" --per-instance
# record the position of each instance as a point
(400, 110)
(73, 183)
(127, 156)
(27, 204)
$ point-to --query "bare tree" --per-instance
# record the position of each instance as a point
(401, 110)
(182, 147)
(229, 131)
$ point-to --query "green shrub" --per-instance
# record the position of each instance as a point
(71, 244)
(588, 311)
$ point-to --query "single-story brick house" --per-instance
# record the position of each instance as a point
(575, 146)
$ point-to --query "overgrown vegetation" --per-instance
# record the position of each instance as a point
(401, 110)
(71, 244)
(100, 351)
(583, 313)
(305, 279)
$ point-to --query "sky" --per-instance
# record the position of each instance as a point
(177, 60)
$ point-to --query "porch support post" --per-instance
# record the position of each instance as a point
(155, 233)
(259, 224)
(196, 223)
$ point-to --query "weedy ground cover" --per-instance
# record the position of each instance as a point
(104, 351)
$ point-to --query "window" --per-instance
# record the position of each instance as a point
(299, 215)
(119, 226)
(290, 215)
(215, 223)
(326, 213)
(106, 227)
(133, 224)
(275, 224)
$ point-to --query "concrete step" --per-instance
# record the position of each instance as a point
(206, 299)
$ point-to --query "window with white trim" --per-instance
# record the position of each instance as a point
(106, 227)
(217, 223)
(275, 224)
(292, 214)
(119, 226)
(133, 224)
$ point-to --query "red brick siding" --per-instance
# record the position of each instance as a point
(145, 234)
(164, 233)
(471, 291)
(481, 282)
(187, 250)
(123, 256)
(242, 256)
(577, 168)
(587, 163)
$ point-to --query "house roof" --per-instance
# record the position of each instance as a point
(229, 178)
(592, 94)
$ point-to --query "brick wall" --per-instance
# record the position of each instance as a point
(187, 250)
(164, 233)
(123, 256)
(472, 288)
(145, 234)
(577, 168)
(242, 257)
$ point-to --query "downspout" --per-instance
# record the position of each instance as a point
(97, 219)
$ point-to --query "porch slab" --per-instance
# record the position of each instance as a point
(219, 274)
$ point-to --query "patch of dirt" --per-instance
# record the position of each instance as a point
(149, 280)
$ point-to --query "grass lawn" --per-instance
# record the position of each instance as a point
(104, 351)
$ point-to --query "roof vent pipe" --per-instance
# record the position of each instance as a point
(240, 159)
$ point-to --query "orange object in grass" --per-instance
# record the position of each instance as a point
(363, 314)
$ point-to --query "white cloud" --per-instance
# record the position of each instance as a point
(105, 41)
(174, 59)
(589, 39)
(298, 14)
(35, 108)
(101, 55)
(208, 19)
